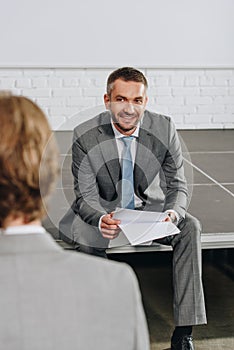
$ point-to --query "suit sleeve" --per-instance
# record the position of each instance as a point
(87, 196)
(173, 170)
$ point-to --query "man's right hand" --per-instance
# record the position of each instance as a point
(109, 226)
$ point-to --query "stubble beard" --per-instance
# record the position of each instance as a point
(121, 128)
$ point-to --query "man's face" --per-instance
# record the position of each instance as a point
(127, 102)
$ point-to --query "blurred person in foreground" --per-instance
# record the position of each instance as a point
(49, 298)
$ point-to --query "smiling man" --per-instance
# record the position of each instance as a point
(130, 157)
(127, 101)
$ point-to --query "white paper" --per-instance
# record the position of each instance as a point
(139, 233)
(130, 216)
(141, 227)
(119, 241)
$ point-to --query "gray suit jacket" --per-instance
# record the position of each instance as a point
(158, 174)
(52, 299)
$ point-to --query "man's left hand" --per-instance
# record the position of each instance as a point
(170, 217)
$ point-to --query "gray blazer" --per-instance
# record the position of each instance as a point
(158, 174)
(52, 299)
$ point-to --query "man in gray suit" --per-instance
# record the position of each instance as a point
(155, 182)
(49, 298)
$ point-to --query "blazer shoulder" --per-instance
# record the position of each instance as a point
(158, 125)
(92, 125)
(156, 118)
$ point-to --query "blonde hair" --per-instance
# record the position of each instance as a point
(28, 158)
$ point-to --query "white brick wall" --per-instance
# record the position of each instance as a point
(195, 98)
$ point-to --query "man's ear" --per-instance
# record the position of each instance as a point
(107, 101)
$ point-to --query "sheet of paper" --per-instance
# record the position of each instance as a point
(130, 216)
(119, 241)
(141, 227)
(139, 233)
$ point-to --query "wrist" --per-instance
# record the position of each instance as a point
(173, 215)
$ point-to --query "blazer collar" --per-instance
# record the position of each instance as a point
(28, 243)
(108, 147)
(144, 149)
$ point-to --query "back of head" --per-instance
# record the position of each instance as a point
(28, 159)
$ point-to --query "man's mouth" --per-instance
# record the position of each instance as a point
(127, 117)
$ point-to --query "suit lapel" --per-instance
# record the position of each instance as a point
(108, 148)
(144, 154)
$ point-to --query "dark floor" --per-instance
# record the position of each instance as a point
(211, 153)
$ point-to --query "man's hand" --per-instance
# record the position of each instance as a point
(170, 217)
(109, 226)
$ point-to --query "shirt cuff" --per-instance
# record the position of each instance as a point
(176, 215)
(99, 223)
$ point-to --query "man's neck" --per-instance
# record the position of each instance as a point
(19, 221)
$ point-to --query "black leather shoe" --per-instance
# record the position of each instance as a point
(185, 343)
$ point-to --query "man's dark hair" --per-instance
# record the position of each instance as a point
(126, 74)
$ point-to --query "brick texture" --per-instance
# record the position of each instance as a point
(194, 98)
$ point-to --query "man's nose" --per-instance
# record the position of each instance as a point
(129, 108)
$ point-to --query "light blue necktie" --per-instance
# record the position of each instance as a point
(127, 174)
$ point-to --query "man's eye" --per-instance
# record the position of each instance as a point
(119, 99)
(138, 102)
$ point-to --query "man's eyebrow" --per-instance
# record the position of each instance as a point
(120, 96)
(135, 98)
